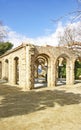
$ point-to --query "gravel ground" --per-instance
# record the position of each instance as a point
(57, 108)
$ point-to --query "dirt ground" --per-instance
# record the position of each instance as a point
(57, 108)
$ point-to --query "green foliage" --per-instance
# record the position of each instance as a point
(77, 69)
(62, 71)
(5, 46)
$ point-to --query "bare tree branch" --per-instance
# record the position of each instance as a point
(71, 36)
(76, 14)
(3, 32)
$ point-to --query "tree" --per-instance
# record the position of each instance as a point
(77, 69)
(70, 36)
(3, 32)
(67, 37)
(76, 14)
(78, 11)
(4, 46)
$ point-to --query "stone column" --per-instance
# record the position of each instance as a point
(72, 77)
(10, 71)
(13, 72)
(49, 74)
(29, 67)
(36, 70)
(3, 69)
(53, 74)
(7, 69)
(70, 73)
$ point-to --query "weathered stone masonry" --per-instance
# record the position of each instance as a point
(18, 65)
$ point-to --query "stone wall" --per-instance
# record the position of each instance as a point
(27, 55)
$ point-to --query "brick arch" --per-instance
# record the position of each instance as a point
(63, 55)
(77, 58)
(45, 58)
(42, 56)
(69, 59)
(45, 51)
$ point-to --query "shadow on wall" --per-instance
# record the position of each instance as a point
(15, 102)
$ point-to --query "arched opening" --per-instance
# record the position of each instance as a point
(0, 69)
(77, 70)
(16, 59)
(6, 70)
(61, 70)
(41, 71)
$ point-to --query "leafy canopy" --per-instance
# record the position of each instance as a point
(5, 46)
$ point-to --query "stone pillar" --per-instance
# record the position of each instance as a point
(53, 74)
(0, 69)
(72, 77)
(36, 70)
(56, 72)
(10, 71)
(13, 70)
(57, 69)
(70, 73)
(7, 69)
(13, 81)
(49, 74)
(22, 72)
(3, 69)
(29, 67)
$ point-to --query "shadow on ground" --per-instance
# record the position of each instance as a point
(15, 102)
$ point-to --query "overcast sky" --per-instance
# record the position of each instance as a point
(32, 20)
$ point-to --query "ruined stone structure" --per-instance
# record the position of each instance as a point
(18, 66)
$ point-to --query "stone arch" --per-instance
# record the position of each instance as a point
(42, 60)
(0, 69)
(6, 69)
(16, 70)
(63, 60)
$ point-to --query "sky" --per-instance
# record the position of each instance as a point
(33, 20)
